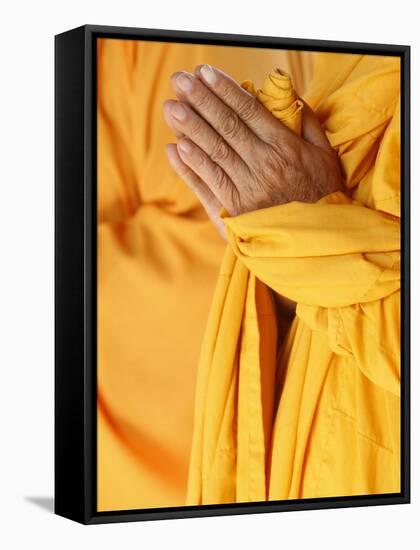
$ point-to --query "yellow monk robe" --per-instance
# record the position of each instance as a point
(158, 259)
(332, 426)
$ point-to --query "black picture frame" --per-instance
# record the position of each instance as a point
(75, 273)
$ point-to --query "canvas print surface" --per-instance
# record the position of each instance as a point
(248, 272)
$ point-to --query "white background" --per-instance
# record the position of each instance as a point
(26, 273)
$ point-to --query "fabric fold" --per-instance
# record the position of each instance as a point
(327, 429)
(233, 469)
(332, 253)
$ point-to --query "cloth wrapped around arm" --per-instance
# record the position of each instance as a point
(339, 259)
(332, 253)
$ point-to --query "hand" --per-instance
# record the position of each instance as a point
(235, 154)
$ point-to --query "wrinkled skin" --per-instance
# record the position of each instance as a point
(235, 154)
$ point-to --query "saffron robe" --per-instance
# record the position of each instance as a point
(158, 259)
(320, 416)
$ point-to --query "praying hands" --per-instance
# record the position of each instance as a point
(235, 154)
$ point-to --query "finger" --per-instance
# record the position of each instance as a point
(208, 171)
(185, 121)
(225, 121)
(312, 130)
(203, 193)
(262, 123)
(167, 106)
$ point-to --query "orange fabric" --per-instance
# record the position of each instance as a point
(333, 427)
(158, 258)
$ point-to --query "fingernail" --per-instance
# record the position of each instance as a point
(179, 112)
(208, 73)
(184, 82)
(185, 146)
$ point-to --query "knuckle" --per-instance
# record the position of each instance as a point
(225, 91)
(201, 99)
(248, 109)
(195, 129)
(220, 151)
(247, 106)
(184, 171)
(230, 125)
(198, 159)
(219, 179)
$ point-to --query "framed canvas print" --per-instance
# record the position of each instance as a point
(232, 274)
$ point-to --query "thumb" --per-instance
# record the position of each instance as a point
(312, 130)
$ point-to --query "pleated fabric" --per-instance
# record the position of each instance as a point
(158, 260)
(319, 415)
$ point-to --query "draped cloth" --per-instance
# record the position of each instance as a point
(158, 260)
(319, 415)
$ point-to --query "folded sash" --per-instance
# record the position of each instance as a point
(335, 253)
